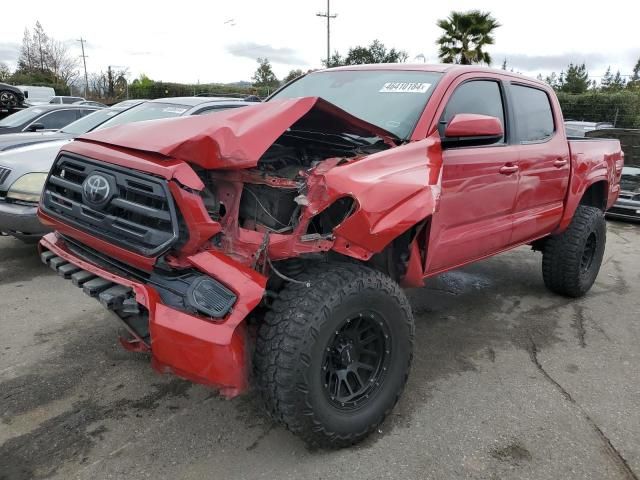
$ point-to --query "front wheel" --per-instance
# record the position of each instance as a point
(332, 359)
(571, 261)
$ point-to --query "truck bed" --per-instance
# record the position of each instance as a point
(593, 158)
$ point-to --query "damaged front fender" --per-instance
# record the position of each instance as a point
(411, 178)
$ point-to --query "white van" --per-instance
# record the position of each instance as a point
(37, 95)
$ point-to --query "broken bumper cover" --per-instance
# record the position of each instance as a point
(213, 353)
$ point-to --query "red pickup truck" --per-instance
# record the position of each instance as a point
(270, 242)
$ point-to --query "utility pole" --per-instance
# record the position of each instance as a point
(328, 16)
(84, 61)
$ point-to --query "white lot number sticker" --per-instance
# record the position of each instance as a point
(405, 87)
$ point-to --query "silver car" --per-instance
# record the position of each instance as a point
(627, 207)
(23, 170)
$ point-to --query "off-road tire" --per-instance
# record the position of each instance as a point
(563, 256)
(291, 345)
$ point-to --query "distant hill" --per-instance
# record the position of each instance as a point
(241, 84)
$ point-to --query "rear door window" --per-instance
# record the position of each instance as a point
(57, 119)
(533, 114)
(481, 97)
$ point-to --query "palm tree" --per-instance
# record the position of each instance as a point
(465, 35)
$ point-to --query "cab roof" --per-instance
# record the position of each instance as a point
(446, 68)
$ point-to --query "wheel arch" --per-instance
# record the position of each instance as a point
(595, 195)
(404, 256)
(592, 191)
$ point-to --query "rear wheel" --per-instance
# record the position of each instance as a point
(571, 261)
(332, 359)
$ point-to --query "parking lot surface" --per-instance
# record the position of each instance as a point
(508, 381)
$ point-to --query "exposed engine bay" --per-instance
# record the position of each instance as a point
(274, 193)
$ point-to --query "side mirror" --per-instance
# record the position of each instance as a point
(34, 127)
(469, 129)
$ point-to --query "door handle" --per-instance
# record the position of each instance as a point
(509, 169)
(561, 162)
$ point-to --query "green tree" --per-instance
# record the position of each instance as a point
(576, 80)
(5, 73)
(634, 81)
(555, 81)
(292, 75)
(612, 83)
(607, 79)
(617, 83)
(264, 76)
(465, 36)
(376, 52)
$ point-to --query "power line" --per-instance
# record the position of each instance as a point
(329, 17)
(84, 61)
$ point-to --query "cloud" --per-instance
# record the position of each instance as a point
(592, 60)
(252, 50)
(9, 52)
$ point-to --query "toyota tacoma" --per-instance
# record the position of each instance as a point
(268, 245)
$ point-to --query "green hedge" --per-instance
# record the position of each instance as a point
(161, 89)
(620, 108)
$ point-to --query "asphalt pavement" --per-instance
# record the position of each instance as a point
(509, 381)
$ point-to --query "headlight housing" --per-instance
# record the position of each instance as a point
(28, 188)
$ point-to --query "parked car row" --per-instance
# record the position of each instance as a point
(25, 158)
(17, 97)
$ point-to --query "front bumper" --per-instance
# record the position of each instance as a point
(625, 209)
(21, 221)
(190, 346)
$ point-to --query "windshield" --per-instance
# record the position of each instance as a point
(18, 118)
(390, 99)
(146, 111)
(88, 123)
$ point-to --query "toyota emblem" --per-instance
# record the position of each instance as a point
(96, 189)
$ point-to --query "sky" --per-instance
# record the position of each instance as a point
(191, 41)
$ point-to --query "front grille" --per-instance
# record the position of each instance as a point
(4, 173)
(137, 211)
(630, 196)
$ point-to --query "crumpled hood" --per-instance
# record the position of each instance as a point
(234, 138)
